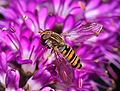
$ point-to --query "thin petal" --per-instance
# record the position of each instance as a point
(12, 79)
(26, 33)
(50, 22)
(8, 13)
(27, 61)
(56, 4)
(20, 6)
(92, 4)
(31, 6)
(42, 15)
(76, 11)
(103, 9)
(30, 21)
(3, 61)
(68, 24)
(25, 43)
(44, 77)
(66, 4)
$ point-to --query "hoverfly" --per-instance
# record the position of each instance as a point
(55, 42)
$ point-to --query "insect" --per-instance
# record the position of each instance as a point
(54, 41)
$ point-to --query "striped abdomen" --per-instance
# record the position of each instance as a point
(69, 54)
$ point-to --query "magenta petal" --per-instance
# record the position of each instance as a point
(56, 4)
(31, 6)
(43, 76)
(47, 89)
(27, 61)
(35, 43)
(76, 11)
(11, 55)
(30, 24)
(68, 24)
(103, 9)
(38, 74)
(20, 5)
(3, 61)
(50, 22)
(8, 13)
(26, 33)
(67, 3)
(42, 14)
(12, 79)
(3, 2)
(30, 21)
(92, 4)
(20, 89)
(25, 43)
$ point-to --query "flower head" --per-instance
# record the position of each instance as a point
(81, 24)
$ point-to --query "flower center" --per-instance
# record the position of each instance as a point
(57, 29)
(1, 17)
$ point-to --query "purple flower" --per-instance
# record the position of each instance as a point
(12, 79)
(83, 25)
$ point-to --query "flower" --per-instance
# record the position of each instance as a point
(12, 80)
(23, 57)
(105, 49)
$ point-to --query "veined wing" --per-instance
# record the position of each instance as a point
(83, 32)
(64, 69)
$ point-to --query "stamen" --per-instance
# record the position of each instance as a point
(12, 42)
(50, 14)
(80, 82)
(31, 52)
(115, 49)
(4, 29)
(96, 60)
(25, 17)
(106, 71)
(82, 6)
(12, 29)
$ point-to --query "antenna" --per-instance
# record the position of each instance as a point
(40, 30)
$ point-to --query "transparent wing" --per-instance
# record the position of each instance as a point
(82, 32)
(64, 69)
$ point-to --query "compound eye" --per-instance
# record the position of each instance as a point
(46, 36)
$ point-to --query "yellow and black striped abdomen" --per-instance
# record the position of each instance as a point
(69, 54)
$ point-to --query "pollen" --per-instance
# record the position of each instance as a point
(96, 61)
(82, 6)
(106, 72)
(25, 17)
(115, 49)
(4, 29)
